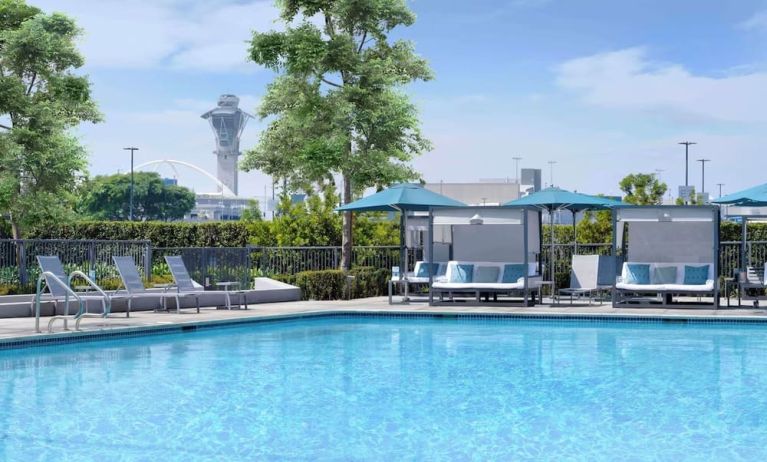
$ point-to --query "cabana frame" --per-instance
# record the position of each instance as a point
(626, 294)
(520, 293)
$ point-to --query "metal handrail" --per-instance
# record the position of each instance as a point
(38, 293)
(106, 300)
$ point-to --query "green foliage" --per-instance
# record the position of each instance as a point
(42, 98)
(252, 212)
(334, 285)
(214, 234)
(595, 227)
(108, 198)
(642, 189)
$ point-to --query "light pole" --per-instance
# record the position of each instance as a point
(687, 160)
(720, 188)
(703, 176)
(132, 150)
(551, 172)
(516, 166)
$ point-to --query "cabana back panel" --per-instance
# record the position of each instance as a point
(665, 242)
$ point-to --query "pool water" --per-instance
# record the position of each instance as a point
(364, 388)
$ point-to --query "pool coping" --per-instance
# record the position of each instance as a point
(115, 332)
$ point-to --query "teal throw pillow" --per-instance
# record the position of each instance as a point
(665, 275)
(423, 270)
(462, 273)
(695, 275)
(512, 272)
(638, 274)
(486, 274)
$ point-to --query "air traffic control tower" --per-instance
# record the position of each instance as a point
(227, 121)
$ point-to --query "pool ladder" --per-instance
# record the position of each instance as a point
(82, 311)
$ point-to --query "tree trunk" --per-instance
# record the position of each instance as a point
(15, 229)
(346, 231)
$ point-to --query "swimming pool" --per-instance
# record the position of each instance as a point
(367, 388)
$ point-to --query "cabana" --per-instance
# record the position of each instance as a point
(671, 255)
(493, 252)
(406, 199)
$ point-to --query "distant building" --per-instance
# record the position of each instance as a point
(483, 192)
(530, 180)
(227, 121)
(211, 207)
(170, 181)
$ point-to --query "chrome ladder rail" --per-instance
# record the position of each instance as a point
(106, 300)
(69, 291)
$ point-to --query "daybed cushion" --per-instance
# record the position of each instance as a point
(486, 274)
(462, 273)
(423, 269)
(513, 272)
(695, 275)
(678, 285)
(665, 275)
(638, 273)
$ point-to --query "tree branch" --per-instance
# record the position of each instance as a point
(362, 42)
(32, 83)
(331, 83)
(5, 126)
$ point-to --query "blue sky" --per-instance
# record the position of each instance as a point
(602, 87)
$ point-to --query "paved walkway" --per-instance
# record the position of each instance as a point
(13, 329)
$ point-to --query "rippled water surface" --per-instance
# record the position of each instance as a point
(394, 389)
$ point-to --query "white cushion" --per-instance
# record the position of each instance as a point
(679, 284)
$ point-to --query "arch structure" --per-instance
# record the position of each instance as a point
(223, 189)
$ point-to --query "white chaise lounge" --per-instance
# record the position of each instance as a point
(487, 278)
(663, 280)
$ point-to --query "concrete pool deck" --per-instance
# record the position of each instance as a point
(13, 330)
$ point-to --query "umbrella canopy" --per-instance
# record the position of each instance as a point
(407, 197)
(555, 199)
(754, 197)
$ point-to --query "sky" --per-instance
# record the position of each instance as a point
(603, 88)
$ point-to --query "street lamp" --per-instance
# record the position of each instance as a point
(551, 172)
(516, 166)
(703, 175)
(687, 160)
(132, 150)
(720, 188)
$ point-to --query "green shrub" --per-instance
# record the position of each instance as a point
(322, 285)
(369, 282)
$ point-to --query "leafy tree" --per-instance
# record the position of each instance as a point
(694, 199)
(252, 212)
(595, 227)
(108, 198)
(41, 98)
(642, 189)
(337, 107)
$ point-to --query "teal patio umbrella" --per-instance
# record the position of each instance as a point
(751, 197)
(403, 198)
(553, 199)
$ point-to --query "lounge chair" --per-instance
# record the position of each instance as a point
(753, 279)
(59, 287)
(487, 278)
(133, 285)
(584, 279)
(639, 279)
(186, 286)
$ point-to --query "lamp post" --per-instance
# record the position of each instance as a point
(687, 160)
(703, 176)
(551, 172)
(132, 150)
(720, 188)
(516, 166)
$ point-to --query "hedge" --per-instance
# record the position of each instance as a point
(332, 284)
(161, 234)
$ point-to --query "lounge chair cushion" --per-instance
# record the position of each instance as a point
(486, 274)
(695, 275)
(423, 269)
(638, 274)
(462, 273)
(665, 275)
(512, 272)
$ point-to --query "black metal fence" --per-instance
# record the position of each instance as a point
(210, 265)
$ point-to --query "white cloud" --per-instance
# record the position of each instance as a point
(756, 22)
(204, 35)
(627, 79)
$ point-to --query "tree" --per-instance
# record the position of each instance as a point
(642, 189)
(108, 198)
(41, 99)
(252, 212)
(337, 106)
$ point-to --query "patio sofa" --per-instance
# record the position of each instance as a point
(486, 278)
(664, 281)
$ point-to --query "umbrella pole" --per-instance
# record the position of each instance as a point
(575, 233)
(743, 243)
(551, 256)
(402, 244)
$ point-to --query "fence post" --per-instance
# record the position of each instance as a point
(248, 266)
(148, 261)
(22, 257)
(204, 269)
(335, 257)
(91, 257)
